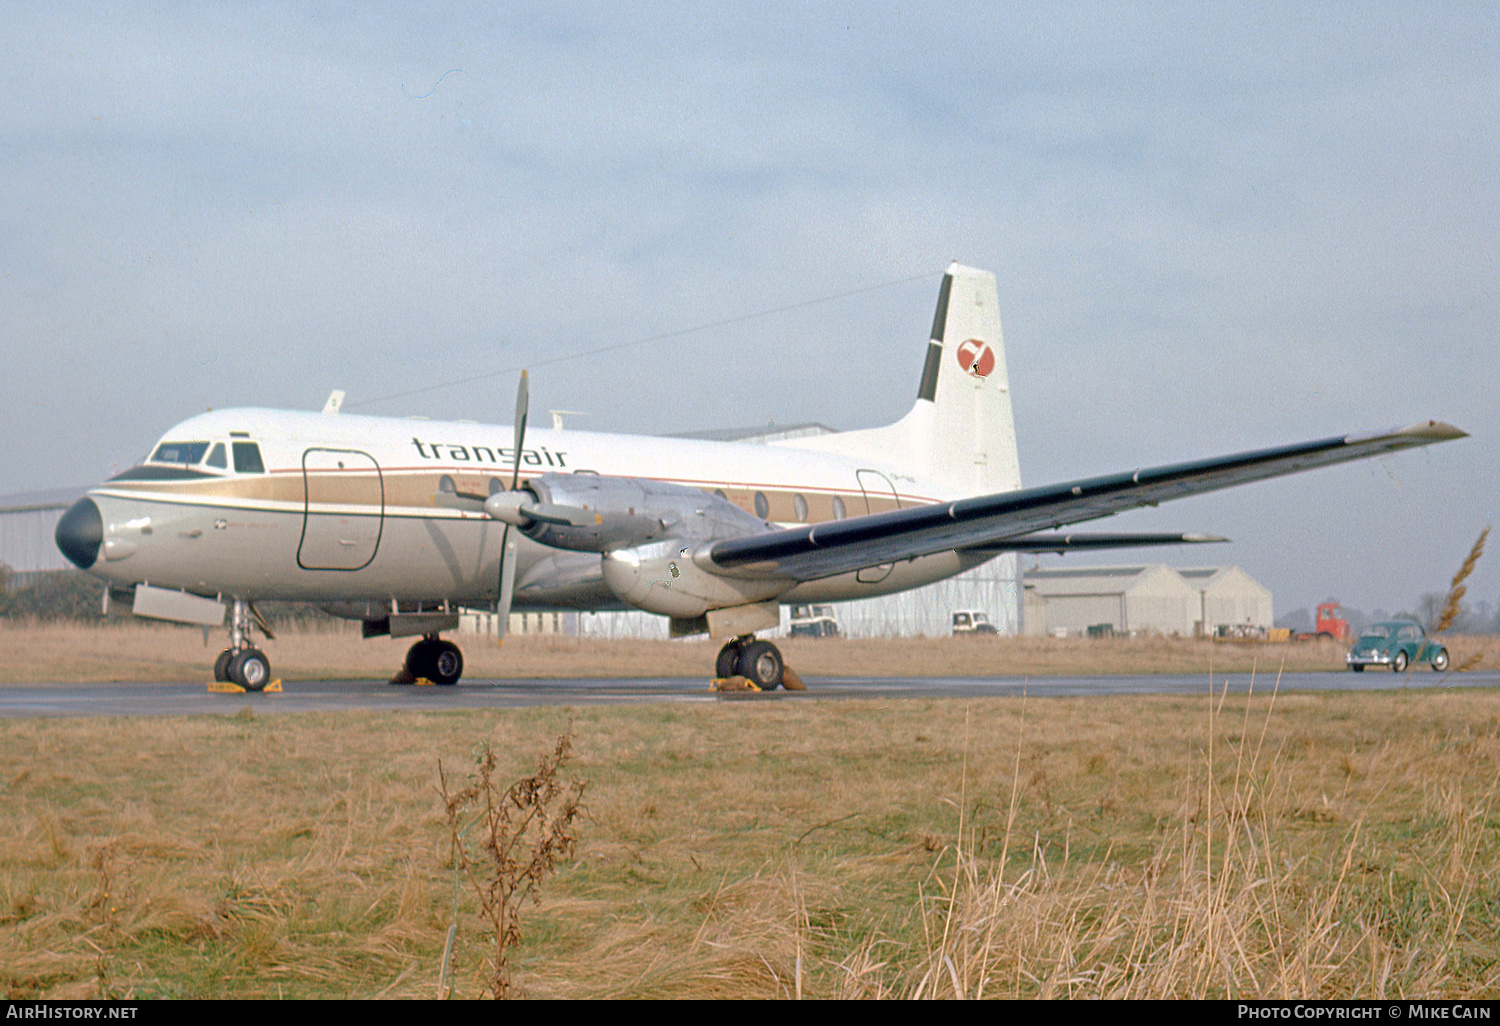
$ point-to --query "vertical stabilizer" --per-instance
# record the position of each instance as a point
(961, 432)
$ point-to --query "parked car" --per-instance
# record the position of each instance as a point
(1396, 644)
(971, 621)
(814, 622)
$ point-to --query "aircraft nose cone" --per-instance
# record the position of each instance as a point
(80, 533)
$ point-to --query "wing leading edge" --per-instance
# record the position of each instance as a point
(842, 546)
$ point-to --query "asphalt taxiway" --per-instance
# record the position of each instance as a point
(188, 699)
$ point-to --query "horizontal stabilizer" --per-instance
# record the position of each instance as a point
(1077, 542)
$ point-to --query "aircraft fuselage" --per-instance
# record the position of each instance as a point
(341, 509)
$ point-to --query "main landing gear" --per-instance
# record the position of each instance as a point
(757, 661)
(241, 663)
(432, 659)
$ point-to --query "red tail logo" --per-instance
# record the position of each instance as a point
(976, 357)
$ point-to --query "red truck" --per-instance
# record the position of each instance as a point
(1331, 623)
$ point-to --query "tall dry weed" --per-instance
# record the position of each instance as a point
(1457, 589)
(510, 845)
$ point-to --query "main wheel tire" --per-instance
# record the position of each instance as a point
(728, 662)
(1399, 663)
(250, 669)
(446, 663)
(760, 663)
(1358, 667)
(1440, 661)
(417, 658)
(221, 665)
(436, 660)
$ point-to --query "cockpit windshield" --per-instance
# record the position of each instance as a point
(245, 457)
(184, 454)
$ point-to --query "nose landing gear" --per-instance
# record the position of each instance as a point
(241, 663)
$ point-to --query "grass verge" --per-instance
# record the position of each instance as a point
(1307, 846)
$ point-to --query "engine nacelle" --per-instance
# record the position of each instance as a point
(663, 577)
(629, 511)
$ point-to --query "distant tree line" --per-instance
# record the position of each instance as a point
(1473, 618)
(52, 595)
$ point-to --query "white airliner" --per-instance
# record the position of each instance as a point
(399, 522)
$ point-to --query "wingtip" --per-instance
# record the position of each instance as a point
(1418, 434)
(1436, 430)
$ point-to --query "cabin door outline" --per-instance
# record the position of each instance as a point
(343, 509)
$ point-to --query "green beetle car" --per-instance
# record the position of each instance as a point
(1397, 644)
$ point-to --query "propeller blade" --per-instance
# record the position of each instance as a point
(505, 506)
(523, 401)
(507, 582)
(553, 513)
(459, 500)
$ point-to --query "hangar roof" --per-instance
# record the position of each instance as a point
(55, 498)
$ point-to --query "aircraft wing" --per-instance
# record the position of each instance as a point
(836, 547)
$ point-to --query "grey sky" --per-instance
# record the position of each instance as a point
(1214, 229)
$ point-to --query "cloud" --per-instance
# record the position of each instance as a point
(1214, 228)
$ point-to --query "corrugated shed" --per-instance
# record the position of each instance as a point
(27, 523)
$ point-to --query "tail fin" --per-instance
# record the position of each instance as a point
(961, 432)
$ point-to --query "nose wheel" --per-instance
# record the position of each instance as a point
(242, 663)
(759, 662)
(247, 667)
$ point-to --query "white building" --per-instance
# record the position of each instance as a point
(1153, 598)
(1231, 601)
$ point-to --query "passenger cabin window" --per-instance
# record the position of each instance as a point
(799, 506)
(247, 458)
(762, 506)
(217, 458)
(181, 453)
(839, 512)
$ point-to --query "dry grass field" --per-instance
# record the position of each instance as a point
(131, 650)
(1291, 845)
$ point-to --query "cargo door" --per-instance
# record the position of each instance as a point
(344, 509)
(880, 497)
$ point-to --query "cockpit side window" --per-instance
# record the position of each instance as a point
(182, 453)
(247, 458)
(217, 458)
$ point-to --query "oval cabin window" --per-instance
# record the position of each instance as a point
(799, 506)
(839, 512)
(762, 506)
